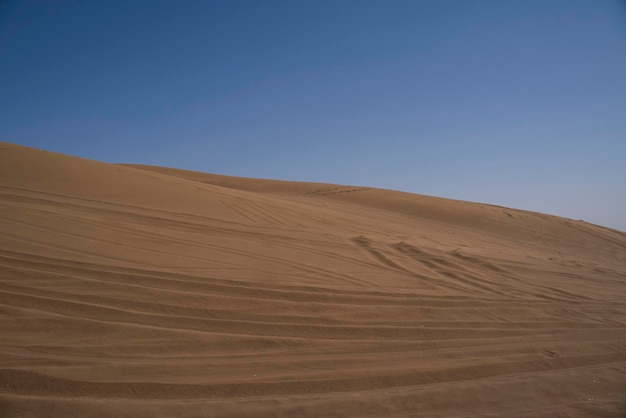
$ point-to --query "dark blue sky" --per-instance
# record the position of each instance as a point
(516, 103)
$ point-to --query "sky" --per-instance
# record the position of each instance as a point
(514, 103)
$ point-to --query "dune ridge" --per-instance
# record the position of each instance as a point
(131, 290)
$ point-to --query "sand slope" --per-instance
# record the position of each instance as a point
(145, 291)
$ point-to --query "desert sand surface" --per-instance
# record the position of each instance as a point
(136, 291)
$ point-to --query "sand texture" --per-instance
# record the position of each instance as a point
(136, 291)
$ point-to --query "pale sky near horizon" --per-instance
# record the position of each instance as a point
(514, 103)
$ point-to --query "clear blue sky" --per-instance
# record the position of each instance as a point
(515, 103)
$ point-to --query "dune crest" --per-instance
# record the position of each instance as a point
(130, 290)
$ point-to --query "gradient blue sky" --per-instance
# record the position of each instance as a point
(515, 103)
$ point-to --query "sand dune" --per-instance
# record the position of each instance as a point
(130, 290)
